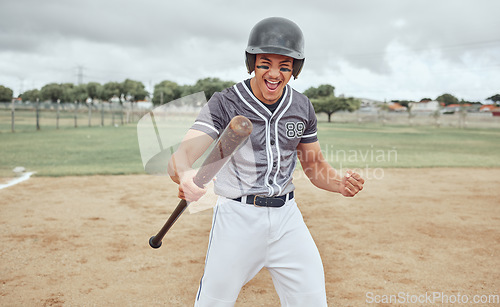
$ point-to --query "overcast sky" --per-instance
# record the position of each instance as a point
(377, 49)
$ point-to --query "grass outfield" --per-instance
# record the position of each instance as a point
(374, 145)
(115, 150)
(70, 151)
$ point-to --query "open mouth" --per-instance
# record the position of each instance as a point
(272, 85)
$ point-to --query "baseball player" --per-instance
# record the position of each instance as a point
(256, 221)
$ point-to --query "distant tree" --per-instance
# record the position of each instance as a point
(52, 92)
(447, 99)
(331, 104)
(209, 86)
(67, 92)
(94, 90)
(320, 91)
(165, 92)
(462, 101)
(324, 100)
(495, 98)
(5, 94)
(111, 89)
(79, 93)
(30, 95)
(135, 89)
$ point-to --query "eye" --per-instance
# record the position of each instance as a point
(285, 69)
(263, 67)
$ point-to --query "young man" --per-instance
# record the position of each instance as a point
(256, 222)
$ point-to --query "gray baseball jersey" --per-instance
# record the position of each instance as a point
(265, 163)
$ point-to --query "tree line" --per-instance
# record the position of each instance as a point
(322, 97)
(130, 90)
(69, 92)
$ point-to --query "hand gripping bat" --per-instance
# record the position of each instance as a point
(236, 132)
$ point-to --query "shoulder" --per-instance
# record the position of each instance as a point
(301, 101)
(224, 96)
(226, 93)
(298, 95)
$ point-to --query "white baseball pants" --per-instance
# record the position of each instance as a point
(244, 239)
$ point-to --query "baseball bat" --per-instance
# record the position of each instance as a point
(236, 132)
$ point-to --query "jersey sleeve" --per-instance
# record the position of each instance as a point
(310, 134)
(212, 119)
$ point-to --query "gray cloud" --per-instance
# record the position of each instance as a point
(359, 46)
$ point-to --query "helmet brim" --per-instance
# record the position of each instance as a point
(275, 50)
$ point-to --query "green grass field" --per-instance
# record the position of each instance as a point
(70, 151)
(401, 146)
(115, 150)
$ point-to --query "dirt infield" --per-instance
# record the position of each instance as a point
(83, 241)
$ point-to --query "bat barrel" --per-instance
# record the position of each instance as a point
(237, 131)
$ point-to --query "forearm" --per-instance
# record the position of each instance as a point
(195, 143)
(178, 164)
(323, 176)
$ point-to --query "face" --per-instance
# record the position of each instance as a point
(272, 73)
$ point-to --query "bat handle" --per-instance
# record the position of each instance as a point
(155, 241)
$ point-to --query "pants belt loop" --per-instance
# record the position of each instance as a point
(244, 199)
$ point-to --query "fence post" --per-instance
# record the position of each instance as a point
(37, 114)
(112, 113)
(90, 114)
(13, 108)
(121, 112)
(76, 114)
(89, 104)
(57, 114)
(102, 114)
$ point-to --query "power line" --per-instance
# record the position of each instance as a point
(79, 75)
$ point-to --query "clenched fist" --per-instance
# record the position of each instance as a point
(351, 184)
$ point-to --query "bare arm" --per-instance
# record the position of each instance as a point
(192, 147)
(323, 175)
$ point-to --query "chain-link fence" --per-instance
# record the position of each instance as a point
(22, 116)
(434, 119)
(44, 115)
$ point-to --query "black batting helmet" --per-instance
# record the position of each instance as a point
(276, 35)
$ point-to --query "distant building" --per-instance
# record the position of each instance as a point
(396, 107)
(452, 108)
(487, 108)
(426, 106)
(369, 105)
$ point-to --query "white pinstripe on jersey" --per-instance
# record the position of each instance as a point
(265, 165)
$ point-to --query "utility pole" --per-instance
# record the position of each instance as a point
(79, 75)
